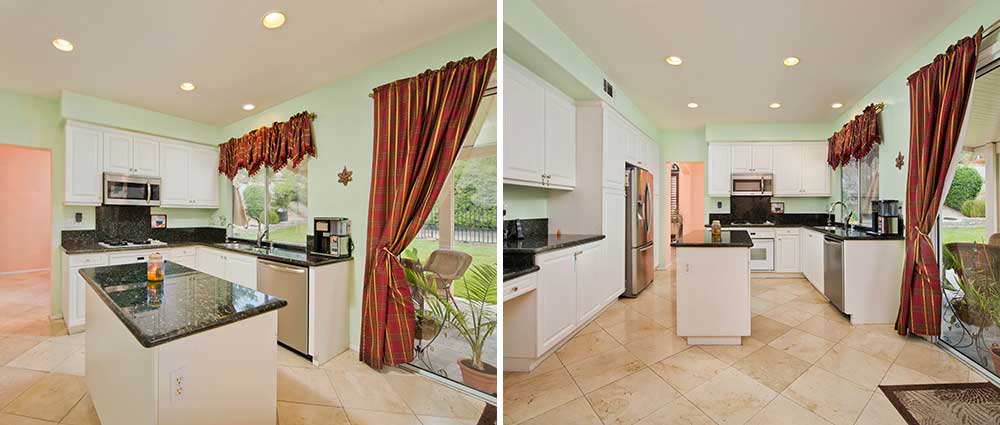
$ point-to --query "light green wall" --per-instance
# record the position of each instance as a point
(894, 92)
(90, 109)
(766, 132)
(525, 202)
(343, 129)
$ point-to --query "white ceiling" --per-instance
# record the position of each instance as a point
(732, 52)
(138, 52)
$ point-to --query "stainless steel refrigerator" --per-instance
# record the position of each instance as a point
(639, 224)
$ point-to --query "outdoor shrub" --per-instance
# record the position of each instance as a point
(253, 198)
(965, 186)
(974, 208)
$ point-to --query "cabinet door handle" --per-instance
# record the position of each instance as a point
(514, 289)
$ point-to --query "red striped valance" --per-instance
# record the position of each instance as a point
(856, 138)
(272, 146)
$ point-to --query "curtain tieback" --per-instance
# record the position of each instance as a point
(392, 282)
(918, 237)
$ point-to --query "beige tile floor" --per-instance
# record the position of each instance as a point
(42, 377)
(804, 363)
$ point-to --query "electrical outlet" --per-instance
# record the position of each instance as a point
(177, 385)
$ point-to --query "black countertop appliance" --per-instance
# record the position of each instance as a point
(332, 237)
(886, 217)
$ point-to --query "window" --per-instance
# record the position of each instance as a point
(859, 187)
(283, 194)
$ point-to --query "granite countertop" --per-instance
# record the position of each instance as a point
(508, 275)
(543, 243)
(282, 255)
(187, 302)
(854, 234)
(702, 238)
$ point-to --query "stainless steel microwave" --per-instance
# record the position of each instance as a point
(123, 189)
(754, 184)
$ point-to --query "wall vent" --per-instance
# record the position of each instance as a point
(609, 89)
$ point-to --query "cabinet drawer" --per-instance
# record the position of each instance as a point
(187, 251)
(88, 260)
(791, 231)
(520, 286)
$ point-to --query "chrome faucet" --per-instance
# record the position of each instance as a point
(261, 235)
(833, 206)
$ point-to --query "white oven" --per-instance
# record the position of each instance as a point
(762, 252)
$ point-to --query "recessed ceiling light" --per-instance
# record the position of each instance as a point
(187, 86)
(791, 61)
(273, 20)
(837, 105)
(674, 60)
(248, 107)
(774, 105)
(692, 105)
(63, 45)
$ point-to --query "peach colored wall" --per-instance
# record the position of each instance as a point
(692, 194)
(26, 217)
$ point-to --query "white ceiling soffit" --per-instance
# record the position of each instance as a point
(139, 52)
(733, 52)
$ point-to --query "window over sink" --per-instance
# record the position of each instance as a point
(859, 187)
(284, 197)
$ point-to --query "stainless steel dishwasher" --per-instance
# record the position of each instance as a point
(290, 283)
(833, 271)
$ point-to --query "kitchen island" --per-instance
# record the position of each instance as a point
(190, 349)
(713, 287)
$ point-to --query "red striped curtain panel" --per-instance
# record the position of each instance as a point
(939, 96)
(420, 123)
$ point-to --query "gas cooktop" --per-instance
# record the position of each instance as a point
(748, 223)
(127, 243)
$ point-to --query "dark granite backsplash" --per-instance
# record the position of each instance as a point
(533, 227)
(123, 222)
(806, 219)
(175, 235)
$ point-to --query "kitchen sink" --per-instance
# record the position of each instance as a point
(238, 246)
(830, 228)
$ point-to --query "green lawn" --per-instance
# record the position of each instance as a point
(481, 254)
(962, 234)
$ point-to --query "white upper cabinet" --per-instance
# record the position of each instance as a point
(145, 156)
(815, 171)
(787, 169)
(719, 169)
(125, 153)
(760, 158)
(190, 177)
(83, 166)
(614, 147)
(539, 131)
(117, 153)
(751, 158)
(174, 177)
(742, 159)
(203, 183)
(560, 140)
(799, 168)
(523, 126)
(188, 172)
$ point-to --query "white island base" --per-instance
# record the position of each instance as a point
(224, 375)
(713, 294)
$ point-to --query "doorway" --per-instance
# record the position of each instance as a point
(25, 238)
(685, 203)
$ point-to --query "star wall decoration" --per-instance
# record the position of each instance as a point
(899, 160)
(345, 176)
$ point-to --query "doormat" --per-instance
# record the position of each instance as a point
(946, 404)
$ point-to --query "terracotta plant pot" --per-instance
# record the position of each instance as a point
(485, 381)
(970, 315)
(995, 351)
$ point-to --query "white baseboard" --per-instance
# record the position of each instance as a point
(16, 272)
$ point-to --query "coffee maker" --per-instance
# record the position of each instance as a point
(332, 237)
(885, 217)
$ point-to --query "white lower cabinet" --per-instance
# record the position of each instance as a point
(787, 250)
(237, 268)
(557, 295)
(567, 292)
(74, 288)
(811, 256)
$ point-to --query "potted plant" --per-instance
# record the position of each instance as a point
(968, 306)
(427, 326)
(475, 323)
